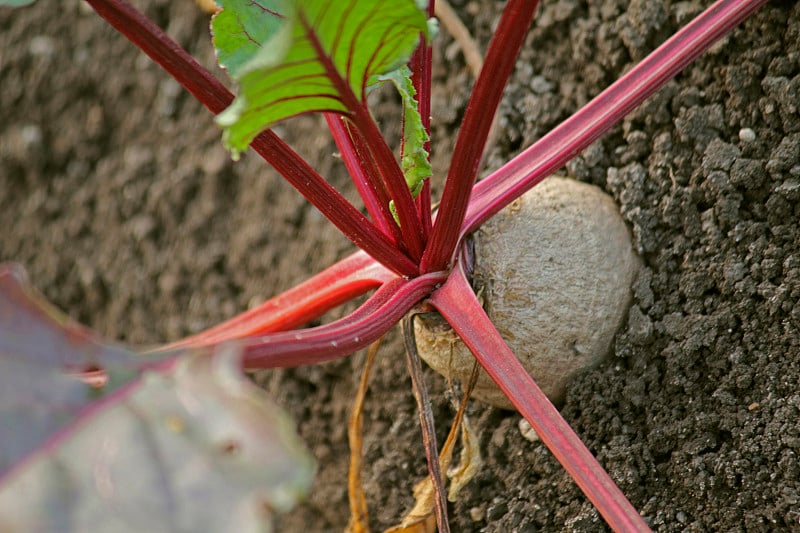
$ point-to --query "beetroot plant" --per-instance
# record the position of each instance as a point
(289, 58)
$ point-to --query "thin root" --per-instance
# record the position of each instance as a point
(359, 515)
(427, 494)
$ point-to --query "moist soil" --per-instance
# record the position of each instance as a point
(118, 199)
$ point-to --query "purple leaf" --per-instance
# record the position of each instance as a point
(188, 444)
(38, 348)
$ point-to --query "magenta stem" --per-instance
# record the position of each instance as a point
(394, 181)
(333, 205)
(459, 306)
(421, 68)
(573, 135)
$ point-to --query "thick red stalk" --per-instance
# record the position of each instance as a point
(360, 165)
(421, 69)
(458, 304)
(212, 93)
(569, 138)
(425, 209)
(500, 59)
(340, 338)
(345, 280)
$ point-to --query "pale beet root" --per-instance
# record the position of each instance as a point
(554, 270)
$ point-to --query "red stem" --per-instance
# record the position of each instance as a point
(360, 165)
(424, 209)
(152, 40)
(458, 304)
(573, 135)
(345, 280)
(340, 338)
(395, 182)
(500, 59)
(421, 68)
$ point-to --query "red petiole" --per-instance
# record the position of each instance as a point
(355, 156)
(352, 277)
(361, 328)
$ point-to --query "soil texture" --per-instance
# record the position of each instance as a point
(119, 200)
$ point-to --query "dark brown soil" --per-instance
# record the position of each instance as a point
(116, 196)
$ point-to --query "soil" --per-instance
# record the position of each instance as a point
(117, 197)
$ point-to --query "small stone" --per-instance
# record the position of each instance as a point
(31, 135)
(785, 155)
(21, 142)
(640, 326)
(540, 85)
(527, 432)
(497, 509)
(477, 514)
(789, 189)
(734, 271)
(662, 143)
(42, 46)
(142, 226)
(167, 99)
(747, 135)
(748, 173)
(719, 155)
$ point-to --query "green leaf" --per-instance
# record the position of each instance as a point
(15, 3)
(241, 28)
(415, 163)
(187, 446)
(298, 56)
